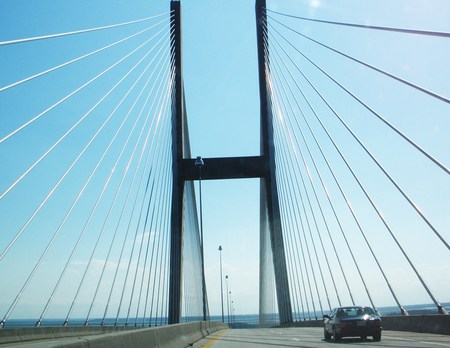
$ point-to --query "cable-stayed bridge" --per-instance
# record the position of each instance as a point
(100, 218)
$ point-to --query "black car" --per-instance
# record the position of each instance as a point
(352, 321)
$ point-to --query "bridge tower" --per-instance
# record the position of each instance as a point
(262, 166)
(178, 121)
(269, 193)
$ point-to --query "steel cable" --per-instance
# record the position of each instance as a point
(367, 196)
(75, 32)
(14, 303)
(52, 147)
(401, 191)
(365, 26)
(114, 200)
(42, 73)
(416, 146)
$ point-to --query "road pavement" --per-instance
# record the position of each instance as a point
(313, 337)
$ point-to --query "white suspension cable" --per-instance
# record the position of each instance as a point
(76, 91)
(80, 120)
(140, 188)
(19, 295)
(51, 36)
(141, 181)
(77, 59)
(54, 188)
(120, 185)
(111, 173)
(162, 101)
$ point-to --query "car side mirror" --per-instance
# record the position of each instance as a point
(326, 316)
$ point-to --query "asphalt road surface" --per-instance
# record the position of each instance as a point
(313, 337)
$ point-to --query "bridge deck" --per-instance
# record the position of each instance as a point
(280, 337)
(313, 337)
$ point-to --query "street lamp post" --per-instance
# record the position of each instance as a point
(199, 163)
(231, 311)
(221, 283)
(233, 318)
(228, 303)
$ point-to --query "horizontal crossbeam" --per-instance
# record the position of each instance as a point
(226, 168)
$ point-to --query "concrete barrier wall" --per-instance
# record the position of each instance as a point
(171, 336)
(438, 324)
(40, 333)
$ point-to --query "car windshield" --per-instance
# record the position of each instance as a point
(353, 312)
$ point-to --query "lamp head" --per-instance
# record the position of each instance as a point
(199, 162)
(220, 248)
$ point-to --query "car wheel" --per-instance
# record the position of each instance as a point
(326, 335)
(336, 337)
(377, 337)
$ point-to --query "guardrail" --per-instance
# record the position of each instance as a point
(171, 336)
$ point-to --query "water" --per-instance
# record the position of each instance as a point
(235, 321)
(419, 309)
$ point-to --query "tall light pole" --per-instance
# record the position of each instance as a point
(231, 311)
(228, 303)
(199, 163)
(221, 283)
(233, 318)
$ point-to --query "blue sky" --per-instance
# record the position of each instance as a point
(421, 60)
(221, 86)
